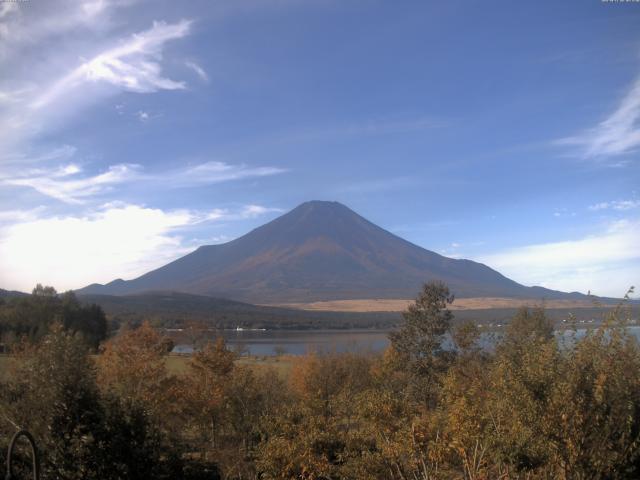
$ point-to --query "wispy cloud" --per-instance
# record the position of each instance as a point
(563, 212)
(609, 259)
(215, 172)
(30, 23)
(132, 66)
(254, 211)
(58, 185)
(55, 91)
(198, 69)
(69, 184)
(618, 134)
(7, 7)
(246, 212)
(143, 116)
(57, 154)
(620, 205)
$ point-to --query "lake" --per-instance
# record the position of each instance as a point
(300, 342)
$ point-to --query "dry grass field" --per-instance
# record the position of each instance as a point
(4, 365)
(398, 305)
(177, 364)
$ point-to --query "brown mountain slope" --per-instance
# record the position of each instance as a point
(320, 251)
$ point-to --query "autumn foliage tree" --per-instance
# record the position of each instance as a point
(132, 365)
(536, 404)
(420, 338)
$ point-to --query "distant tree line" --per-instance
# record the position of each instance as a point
(532, 407)
(30, 317)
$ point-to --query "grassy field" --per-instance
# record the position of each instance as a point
(4, 365)
(398, 305)
(177, 364)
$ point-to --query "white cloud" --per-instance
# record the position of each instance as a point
(31, 23)
(563, 212)
(607, 263)
(67, 170)
(73, 190)
(69, 252)
(118, 240)
(55, 90)
(214, 172)
(620, 205)
(217, 214)
(132, 66)
(38, 157)
(7, 7)
(14, 96)
(246, 212)
(198, 69)
(13, 216)
(617, 134)
(65, 183)
(253, 211)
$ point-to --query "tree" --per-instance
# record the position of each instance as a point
(419, 339)
(204, 392)
(132, 367)
(44, 291)
(32, 316)
(53, 394)
(81, 433)
(132, 373)
(529, 325)
(465, 337)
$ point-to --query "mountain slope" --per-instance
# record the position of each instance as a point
(11, 293)
(320, 251)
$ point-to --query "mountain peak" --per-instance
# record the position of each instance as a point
(320, 250)
(322, 204)
(321, 207)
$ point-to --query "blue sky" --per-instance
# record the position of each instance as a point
(504, 132)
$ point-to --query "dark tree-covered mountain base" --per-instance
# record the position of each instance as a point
(30, 317)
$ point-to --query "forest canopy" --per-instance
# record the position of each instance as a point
(535, 405)
(30, 317)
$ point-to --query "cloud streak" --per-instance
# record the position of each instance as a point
(57, 90)
(132, 66)
(619, 205)
(198, 69)
(216, 172)
(609, 259)
(65, 183)
(618, 134)
(58, 185)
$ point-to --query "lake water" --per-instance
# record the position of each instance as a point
(300, 342)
